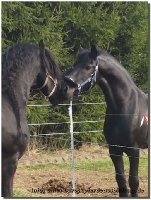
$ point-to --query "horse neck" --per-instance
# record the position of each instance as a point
(109, 98)
(115, 83)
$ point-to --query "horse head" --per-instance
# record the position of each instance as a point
(49, 80)
(84, 74)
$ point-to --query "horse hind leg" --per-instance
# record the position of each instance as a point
(117, 158)
(133, 155)
(9, 165)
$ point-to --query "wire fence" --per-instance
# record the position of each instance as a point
(73, 133)
(78, 122)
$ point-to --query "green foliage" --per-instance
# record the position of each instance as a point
(132, 41)
(89, 22)
(89, 113)
(24, 22)
(119, 27)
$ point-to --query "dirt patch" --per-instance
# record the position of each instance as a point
(56, 182)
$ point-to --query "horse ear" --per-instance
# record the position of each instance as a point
(42, 46)
(43, 56)
(94, 52)
(80, 49)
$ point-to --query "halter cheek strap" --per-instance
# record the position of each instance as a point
(95, 72)
(91, 79)
(45, 83)
(54, 88)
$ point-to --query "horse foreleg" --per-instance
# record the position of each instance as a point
(133, 172)
(117, 158)
(9, 165)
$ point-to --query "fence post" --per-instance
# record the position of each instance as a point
(72, 150)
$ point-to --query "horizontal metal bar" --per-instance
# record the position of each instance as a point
(80, 122)
(48, 105)
(49, 134)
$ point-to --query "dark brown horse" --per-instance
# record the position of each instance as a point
(126, 121)
(23, 66)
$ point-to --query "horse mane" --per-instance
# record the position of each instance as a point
(54, 69)
(107, 56)
(14, 61)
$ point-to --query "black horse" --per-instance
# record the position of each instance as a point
(23, 66)
(126, 121)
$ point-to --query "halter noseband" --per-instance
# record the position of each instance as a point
(91, 80)
(45, 83)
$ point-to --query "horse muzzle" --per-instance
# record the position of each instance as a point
(73, 86)
(70, 82)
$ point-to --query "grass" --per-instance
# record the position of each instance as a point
(21, 193)
(104, 164)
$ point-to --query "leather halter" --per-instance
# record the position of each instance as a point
(48, 76)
